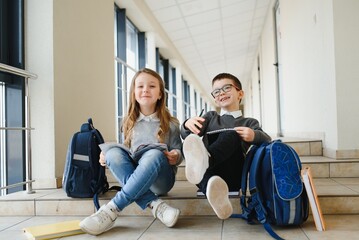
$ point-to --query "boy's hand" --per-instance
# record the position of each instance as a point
(247, 134)
(172, 156)
(194, 124)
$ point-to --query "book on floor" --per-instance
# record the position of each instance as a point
(313, 199)
(54, 230)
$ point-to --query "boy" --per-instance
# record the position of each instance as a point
(215, 162)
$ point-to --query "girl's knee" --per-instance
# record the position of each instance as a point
(153, 156)
(114, 156)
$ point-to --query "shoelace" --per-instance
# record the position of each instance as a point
(160, 210)
(103, 216)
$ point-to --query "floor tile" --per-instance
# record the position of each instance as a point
(191, 228)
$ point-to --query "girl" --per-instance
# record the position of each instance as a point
(148, 121)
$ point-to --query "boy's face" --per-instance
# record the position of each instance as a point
(226, 95)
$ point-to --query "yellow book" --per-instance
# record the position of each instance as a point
(313, 199)
(55, 230)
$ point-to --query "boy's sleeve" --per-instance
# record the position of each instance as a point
(175, 141)
(184, 132)
(259, 135)
(207, 117)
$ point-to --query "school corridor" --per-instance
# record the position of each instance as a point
(63, 61)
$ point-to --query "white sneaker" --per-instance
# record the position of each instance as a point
(101, 221)
(217, 195)
(196, 156)
(165, 213)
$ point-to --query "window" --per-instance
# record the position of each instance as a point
(12, 142)
(172, 101)
(196, 102)
(186, 99)
(168, 74)
(130, 55)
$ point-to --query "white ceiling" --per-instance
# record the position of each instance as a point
(213, 36)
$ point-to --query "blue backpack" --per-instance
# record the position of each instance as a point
(277, 194)
(84, 177)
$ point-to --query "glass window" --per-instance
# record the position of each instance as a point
(12, 142)
(196, 102)
(186, 99)
(130, 55)
(173, 92)
(168, 74)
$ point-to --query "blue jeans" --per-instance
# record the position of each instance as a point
(141, 182)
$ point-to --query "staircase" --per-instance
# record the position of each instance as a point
(336, 182)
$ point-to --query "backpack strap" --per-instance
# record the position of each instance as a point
(243, 199)
(271, 232)
(102, 172)
(257, 202)
(95, 197)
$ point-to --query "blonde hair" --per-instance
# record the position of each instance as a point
(134, 110)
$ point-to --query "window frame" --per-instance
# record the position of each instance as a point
(12, 95)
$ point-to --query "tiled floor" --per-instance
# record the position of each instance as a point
(191, 225)
(190, 228)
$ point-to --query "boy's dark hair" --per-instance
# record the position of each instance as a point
(235, 80)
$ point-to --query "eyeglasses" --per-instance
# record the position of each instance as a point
(225, 88)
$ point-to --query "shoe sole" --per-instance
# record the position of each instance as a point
(175, 219)
(217, 195)
(196, 157)
(83, 228)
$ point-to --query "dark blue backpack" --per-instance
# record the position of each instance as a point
(84, 177)
(277, 194)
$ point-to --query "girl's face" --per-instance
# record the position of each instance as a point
(147, 92)
(227, 95)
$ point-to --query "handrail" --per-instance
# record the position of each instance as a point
(17, 71)
(26, 128)
(119, 60)
(16, 184)
(16, 128)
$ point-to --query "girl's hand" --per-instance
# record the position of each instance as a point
(247, 134)
(172, 156)
(194, 124)
(102, 159)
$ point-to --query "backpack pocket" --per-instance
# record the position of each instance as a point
(79, 184)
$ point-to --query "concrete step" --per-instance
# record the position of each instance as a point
(305, 146)
(336, 196)
(322, 167)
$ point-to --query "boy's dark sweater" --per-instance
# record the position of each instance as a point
(213, 121)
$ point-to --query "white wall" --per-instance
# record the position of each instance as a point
(268, 98)
(308, 69)
(309, 105)
(73, 53)
(268, 77)
(320, 77)
(346, 30)
(84, 70)
(39, 60)
(253, 94)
